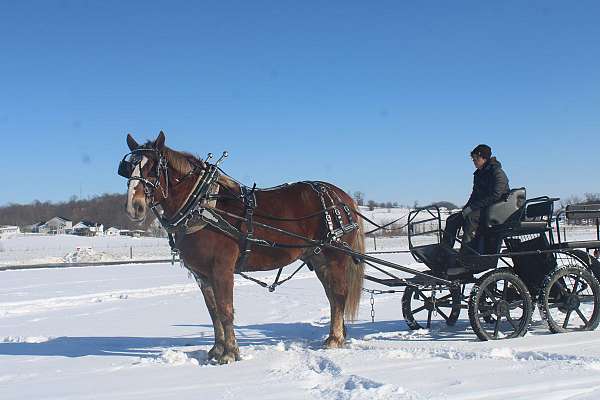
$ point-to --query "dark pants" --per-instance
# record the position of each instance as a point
(470, 224)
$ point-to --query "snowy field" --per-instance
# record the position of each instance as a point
(33, 249)
(143, 332)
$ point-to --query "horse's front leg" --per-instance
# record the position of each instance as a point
(223, 292)
(209, 298)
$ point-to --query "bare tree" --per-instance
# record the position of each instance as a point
(372, 204)
(359, 197)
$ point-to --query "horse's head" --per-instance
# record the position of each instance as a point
(146, 169)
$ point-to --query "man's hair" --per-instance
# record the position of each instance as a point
(482, 150)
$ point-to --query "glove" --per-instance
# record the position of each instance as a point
(466, 211)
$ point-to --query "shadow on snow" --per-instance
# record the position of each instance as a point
(308, 334)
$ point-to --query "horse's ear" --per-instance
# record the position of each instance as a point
(159, 143)
(131, 142)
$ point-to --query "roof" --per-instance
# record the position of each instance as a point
(57, 217)
(88, 223)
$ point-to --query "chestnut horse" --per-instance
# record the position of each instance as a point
(211, 255)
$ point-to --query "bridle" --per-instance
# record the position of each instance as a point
(127, 167)
(208, 175)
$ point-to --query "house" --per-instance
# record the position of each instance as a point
(7, 231)
(132, 232)
(88, 228)
(33, 228)
(56, 226)
(112, 231)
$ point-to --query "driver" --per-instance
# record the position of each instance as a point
(490, 184)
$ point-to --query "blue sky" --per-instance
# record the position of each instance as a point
(385, 97)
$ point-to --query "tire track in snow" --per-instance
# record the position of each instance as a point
(496, 353)
(326, 380)
(10, 309)
(58, 303)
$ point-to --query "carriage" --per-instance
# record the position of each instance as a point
(522, 261)
(220, 227)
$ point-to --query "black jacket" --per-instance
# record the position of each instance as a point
(490, 184)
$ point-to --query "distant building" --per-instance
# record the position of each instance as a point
(88, 228)
(8, 230)
(588, 214)
(112, 231)
(56, 226)
(33, 228)
(132, 232)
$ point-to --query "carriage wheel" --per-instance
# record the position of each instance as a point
(570, 299)
(500, 306)
(418, 304)
(592, 263)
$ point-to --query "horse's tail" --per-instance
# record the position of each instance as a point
(355, 272)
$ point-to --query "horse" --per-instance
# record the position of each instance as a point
(284, 224)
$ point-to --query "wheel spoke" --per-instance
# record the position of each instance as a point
(567, 319)
(497, 327)
(443, 298)
(485, 314)
(504, 291)
(419, 309)
(429, 318)
(575, 284)
(442, 314)
(586, 298)
(583, 289)
(585, 321)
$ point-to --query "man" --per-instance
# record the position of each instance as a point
(490, 184)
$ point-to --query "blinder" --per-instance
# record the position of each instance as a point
(126, 167)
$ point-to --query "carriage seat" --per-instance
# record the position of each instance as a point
(438, 257)
(515, 215)
(506, 209)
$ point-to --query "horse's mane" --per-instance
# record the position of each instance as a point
(180, 161)
(184, 162)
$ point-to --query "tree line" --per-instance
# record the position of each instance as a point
(106, 209)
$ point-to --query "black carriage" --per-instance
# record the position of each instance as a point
(514, 262)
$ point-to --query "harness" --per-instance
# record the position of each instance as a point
(334, 234)
(199, 210)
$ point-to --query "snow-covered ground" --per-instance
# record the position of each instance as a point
(44, 249)
(143, 332)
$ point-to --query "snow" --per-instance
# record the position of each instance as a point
(142, 332)
(46, 249)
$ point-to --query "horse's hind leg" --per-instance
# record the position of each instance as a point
(209, 298)
(332, 276)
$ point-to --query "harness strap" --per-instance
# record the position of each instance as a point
(334, 234)
(249, 199)
(277, 282)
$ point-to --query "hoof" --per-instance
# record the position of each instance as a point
(334, 343)
(228, 358)
(216, 351)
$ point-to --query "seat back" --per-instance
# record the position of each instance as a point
(500, 212)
